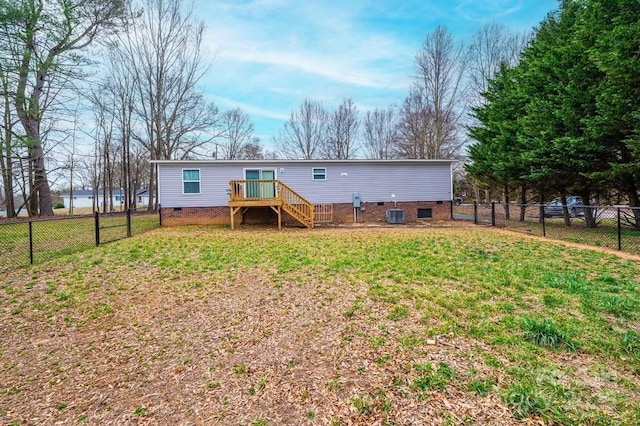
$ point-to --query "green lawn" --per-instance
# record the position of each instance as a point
(325, 326)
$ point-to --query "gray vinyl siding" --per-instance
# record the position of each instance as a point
(409, 181)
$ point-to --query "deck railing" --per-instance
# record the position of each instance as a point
(253, 190)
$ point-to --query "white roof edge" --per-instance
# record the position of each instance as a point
(401, 161)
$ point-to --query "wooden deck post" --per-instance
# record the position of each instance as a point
(279, 218)
(278, 210)
(231, 210)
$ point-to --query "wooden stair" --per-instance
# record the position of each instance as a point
(296, 205)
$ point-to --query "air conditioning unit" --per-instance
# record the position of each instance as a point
(395, 216)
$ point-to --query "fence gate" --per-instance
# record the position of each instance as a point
(323, 213)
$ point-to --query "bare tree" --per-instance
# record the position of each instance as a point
(491, 46)
(161, 51)
(44, 38)
(379, 133)
(416, 127)
(341, 142)
(304, 133)
(8, 151)
(431, 114)
(236, 132)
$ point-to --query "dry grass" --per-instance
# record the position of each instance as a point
(202, 325)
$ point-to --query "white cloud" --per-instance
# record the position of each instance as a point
(336, 67)
(310, 38)
(228, 103)
(488, 10)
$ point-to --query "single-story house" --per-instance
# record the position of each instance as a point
(304, 192)
(84, 198)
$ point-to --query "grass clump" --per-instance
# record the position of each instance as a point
(545, 332)
(432, 379)
(398, 312)
(481, 387)
(630, 343)
(525, 400)
(240, 370)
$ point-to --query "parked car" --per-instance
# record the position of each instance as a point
(574, 204)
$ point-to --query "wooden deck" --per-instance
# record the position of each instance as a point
(245, 194)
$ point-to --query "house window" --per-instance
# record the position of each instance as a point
(320, 174)
(424, 213)
(191, 181)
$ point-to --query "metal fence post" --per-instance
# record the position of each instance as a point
(544, 224)
(160, 214)
(619, 230)
(451, 208)
(128, 223)
(96, 216)
(493, 213)
(31, 242)
(475, 212)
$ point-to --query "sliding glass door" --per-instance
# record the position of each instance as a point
(260, 189)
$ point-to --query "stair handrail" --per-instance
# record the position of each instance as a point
(292, 200)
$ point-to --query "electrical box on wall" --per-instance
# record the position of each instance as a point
(356, 199)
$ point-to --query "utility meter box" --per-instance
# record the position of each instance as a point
(356, 199)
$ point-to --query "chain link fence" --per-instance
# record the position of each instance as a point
(29, 241)
(614, 227)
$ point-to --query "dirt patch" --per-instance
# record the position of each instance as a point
(228, 351)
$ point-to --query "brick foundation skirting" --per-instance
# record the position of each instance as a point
(195, 216)
(342, 213)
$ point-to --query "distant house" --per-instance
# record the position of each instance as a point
(305, 192)
(85, 198)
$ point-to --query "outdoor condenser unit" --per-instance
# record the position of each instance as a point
(395, 216)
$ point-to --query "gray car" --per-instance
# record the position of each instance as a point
(574, 204)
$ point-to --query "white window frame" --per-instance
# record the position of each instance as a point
(191, 181)
(314, 174)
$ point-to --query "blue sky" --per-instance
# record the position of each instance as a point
(267, 56)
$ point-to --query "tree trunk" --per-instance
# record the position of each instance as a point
(507, 201)
(589, 216)
(523, 202)
(6, 159)
(152, 184)
(7, 181)
(565, 211)
(31, 198)
(634, 201)
(541, 200)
